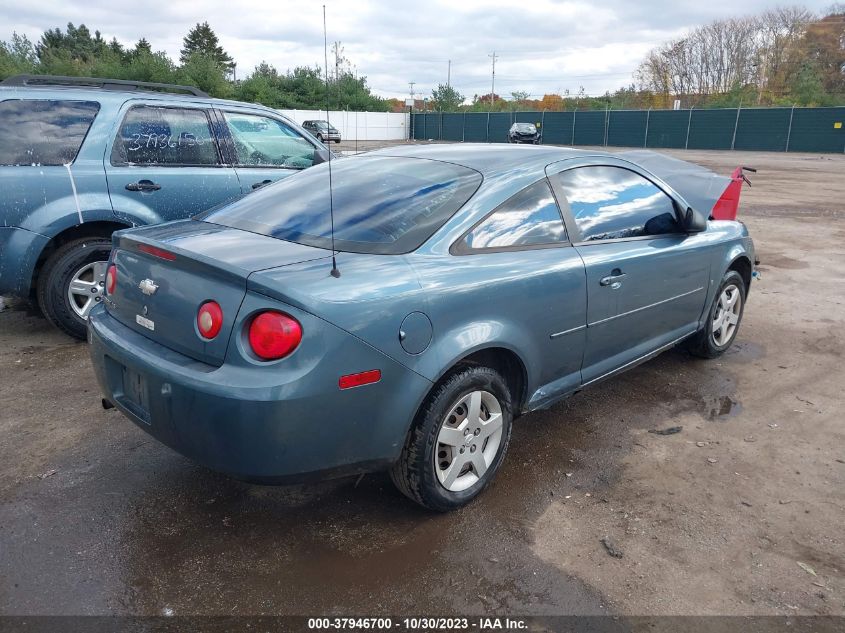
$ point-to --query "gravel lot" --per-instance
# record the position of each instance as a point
(740, 513)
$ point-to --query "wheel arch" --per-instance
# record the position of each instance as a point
(742, 265)
(95, 228)
(502, 359)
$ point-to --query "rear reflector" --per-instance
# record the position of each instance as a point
(210, 319)
(358, 380)
(157, 252)
(273, 335)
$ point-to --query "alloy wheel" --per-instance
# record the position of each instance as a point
(86, 288)
(726, 317)
(468, 440)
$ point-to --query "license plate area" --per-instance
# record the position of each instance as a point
(132, 393)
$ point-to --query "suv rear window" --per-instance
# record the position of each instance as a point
(43, 132)
(382, 204)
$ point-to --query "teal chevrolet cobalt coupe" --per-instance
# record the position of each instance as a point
(403, 318)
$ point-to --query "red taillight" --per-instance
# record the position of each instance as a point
(111, 279)
(274, 335)
(209, 319)
(157, 252)
(358, 380)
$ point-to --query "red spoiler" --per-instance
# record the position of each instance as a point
(728, 203)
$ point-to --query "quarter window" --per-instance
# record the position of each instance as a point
(530, 218)
(264, 142)
(43, 132)
(172, 137)
(614, 203)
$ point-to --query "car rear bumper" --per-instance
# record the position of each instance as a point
(19, 252)
(234, 420)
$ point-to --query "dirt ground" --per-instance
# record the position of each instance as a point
(739, 513)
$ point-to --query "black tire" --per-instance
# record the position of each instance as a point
(320, 137)
(703, 343)
(55, 277)
(414, 474)
(337, 140)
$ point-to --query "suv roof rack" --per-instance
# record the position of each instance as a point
(98, 82)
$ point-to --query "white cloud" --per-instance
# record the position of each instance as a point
(543, 46)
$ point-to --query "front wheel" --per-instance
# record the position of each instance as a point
(320, 137)
(458, 441)
(723, 318)
(72, 282)
(337, 140)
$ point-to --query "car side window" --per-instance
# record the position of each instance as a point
(43, 132)
(529, 218)
(163, 136)
(265, 142)
(614, 203)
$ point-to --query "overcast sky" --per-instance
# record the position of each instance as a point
(543, 46)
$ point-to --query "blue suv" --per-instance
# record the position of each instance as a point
(81, 158)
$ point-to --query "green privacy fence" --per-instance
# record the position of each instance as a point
(761, 129)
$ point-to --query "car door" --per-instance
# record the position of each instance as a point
(164, 163)
(521, 255)
(264, 148)
(646, 279)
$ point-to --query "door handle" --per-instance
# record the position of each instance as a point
(143, 185)
(612, 279)
(261, 184)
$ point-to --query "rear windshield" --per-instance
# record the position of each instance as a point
(382, 205)
(43, 132)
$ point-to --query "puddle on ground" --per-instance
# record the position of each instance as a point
(721, 408)
(782, 261)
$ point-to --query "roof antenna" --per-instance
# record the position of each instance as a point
(335, 272)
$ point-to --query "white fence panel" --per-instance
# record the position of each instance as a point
(359, 126)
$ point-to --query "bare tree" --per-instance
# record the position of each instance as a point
(722, 55)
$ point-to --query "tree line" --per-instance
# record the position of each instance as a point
(783, 56)
(202, 63)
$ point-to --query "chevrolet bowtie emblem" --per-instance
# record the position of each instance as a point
(148, 287)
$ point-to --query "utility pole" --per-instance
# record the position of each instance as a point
(493, 83)
(411, 84)
(449, 74)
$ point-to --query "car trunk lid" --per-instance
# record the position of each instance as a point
(167, 272)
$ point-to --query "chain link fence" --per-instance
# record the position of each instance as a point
(757, 129)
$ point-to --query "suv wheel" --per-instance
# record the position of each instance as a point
(72, 282)
(320, 137)
(458, 441)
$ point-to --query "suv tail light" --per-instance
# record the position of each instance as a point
(111, 279)
(209, 319)
(273, 335)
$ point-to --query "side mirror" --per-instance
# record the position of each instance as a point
(321, 155)
(692, 221)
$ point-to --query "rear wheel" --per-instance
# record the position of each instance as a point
(723, 319)
(458, 441)
(337, 140)
(72, 282)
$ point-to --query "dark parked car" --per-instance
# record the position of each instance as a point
(476, 283)
(81, 158)
(524, 133)
(323, 130)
